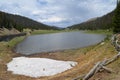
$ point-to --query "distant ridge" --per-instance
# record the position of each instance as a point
(104, 22)
(19, 22)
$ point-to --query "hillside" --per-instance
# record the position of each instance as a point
(104, 22)
(5, 31)
(19, 22)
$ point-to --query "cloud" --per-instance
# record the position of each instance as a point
(53, 19)
(56, 12)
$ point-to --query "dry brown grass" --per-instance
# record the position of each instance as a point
(115, 66)
(86, 58)
(5, 31)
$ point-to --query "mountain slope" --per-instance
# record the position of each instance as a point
(9, 20)
(104, 22)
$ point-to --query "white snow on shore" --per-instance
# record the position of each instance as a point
(37, 67)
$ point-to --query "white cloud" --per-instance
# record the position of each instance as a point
(57, 12)
(37, 12)
(53, 19)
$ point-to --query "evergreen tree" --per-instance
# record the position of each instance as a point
(116, 22)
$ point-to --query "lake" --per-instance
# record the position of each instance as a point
(57, 41)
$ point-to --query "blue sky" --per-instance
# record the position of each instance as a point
(61, 13)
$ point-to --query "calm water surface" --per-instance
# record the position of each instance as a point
(57, 41)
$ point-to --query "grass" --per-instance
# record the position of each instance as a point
(107, 32)
(114, 66)
(6, 47)
(44, 31)
(35, 32)
(15, 41)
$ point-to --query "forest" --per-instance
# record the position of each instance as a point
(19, 22)
(110, 21)
(104, 22)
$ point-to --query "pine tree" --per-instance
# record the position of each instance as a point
(116, 22)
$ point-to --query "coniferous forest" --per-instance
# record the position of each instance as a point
(19, 22)
(110, 21)
(116, 19)
(104, 22)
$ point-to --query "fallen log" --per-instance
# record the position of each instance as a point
(113, 59)
(117, 45)
(107, 69)
(101, 65)
(95, 69)
(92, 71)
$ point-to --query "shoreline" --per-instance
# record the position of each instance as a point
(39, 51)
(11, 36)
(85, 57)
(64, 55)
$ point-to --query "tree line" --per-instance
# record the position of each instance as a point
(116, 19)
(19, 22)
(104, 22)
(110, 21)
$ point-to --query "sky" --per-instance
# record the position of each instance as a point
(60, 13)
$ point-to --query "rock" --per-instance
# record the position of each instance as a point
(102, 43)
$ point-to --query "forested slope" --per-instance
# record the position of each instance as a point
(104, 22)
(19, 22)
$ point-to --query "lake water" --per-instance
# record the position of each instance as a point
(57, 41)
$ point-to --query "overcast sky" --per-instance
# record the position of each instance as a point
(59, 13)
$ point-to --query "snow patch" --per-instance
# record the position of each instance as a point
(37, 67)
